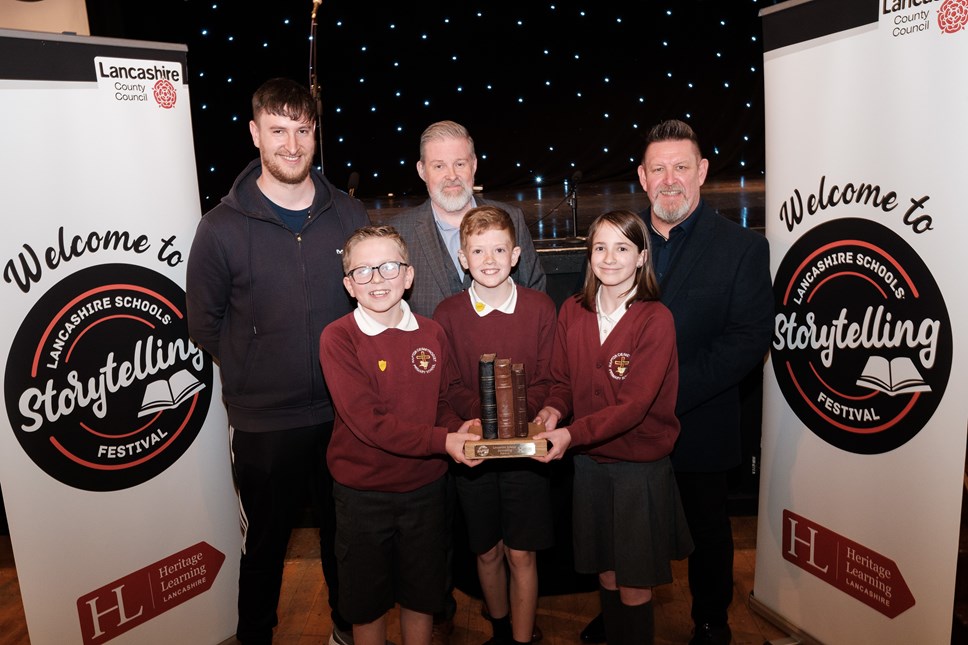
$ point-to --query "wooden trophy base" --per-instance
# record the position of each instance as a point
(505, 448)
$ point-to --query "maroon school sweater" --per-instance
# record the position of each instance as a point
(524, 337)
(622, 392)
(386, 390)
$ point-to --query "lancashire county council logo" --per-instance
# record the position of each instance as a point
(104, 389)
(862, 341)
(165, 94)
(953, 16)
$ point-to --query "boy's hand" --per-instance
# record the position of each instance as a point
(548, 417)
(455, 442)
(558, 442)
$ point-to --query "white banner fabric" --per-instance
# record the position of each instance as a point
(114, 457)
(865, 409)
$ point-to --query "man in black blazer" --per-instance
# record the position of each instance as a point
(714, 276)
(448, 165)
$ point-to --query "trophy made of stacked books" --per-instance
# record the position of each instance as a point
(505, 429)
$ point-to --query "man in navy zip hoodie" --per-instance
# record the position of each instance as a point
(264, 278)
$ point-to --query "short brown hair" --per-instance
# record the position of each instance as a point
(284, 97)
(371, 232)
(631, 226)
(672, 130)
(486, 218)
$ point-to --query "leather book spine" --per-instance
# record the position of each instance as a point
(520, 386)
(488, 400)
(504, 396)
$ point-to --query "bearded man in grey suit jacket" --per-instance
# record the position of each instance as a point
(432, 230)
(432, 233)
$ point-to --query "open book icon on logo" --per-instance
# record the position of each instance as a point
(168, 394)
(899, 376)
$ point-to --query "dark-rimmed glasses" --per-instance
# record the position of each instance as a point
(388, 271)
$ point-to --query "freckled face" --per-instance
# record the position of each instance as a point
(490, 256)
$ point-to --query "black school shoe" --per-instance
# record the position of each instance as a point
(536, 633)
(594, 632)
(707, 634)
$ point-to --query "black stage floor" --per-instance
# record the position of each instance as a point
(550, 219)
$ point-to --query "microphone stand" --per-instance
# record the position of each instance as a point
(573, 202)
(571, 198)
(314, 81)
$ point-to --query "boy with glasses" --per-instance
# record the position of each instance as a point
(389, 372)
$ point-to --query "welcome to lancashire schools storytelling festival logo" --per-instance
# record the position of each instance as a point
(862, 341)
(104, 390)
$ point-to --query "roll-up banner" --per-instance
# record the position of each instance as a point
(865, 406)
(114, 458)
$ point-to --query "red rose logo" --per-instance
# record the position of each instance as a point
(165, 94)
(953, 15)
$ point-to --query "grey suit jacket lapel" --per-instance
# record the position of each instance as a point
(439, 265)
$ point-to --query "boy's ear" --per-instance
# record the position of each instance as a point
(348, 285)
(515, 254)
(463, 259)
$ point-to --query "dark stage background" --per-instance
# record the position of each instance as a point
(545, 88)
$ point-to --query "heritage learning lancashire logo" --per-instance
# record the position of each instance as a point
(862, 340)
(104, 390)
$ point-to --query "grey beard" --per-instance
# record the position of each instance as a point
(673, 216)
(455, 203)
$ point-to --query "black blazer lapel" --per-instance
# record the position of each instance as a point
(702, 235)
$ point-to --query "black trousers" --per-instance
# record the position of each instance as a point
(704, 499)
(276, 474)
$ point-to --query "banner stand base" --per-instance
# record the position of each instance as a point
(797, 637)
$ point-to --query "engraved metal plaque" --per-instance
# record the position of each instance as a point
(503, 448)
